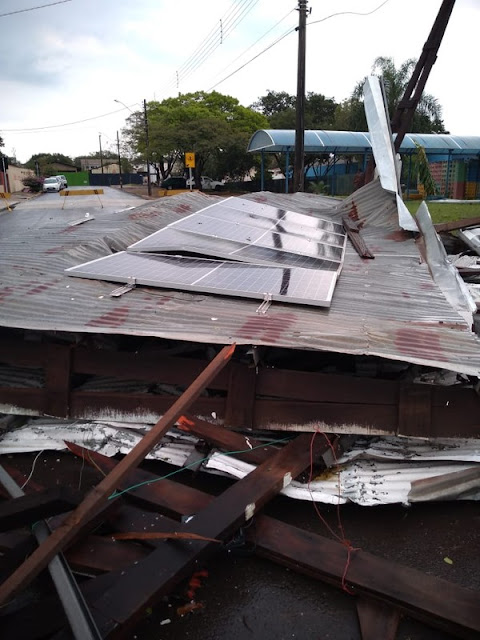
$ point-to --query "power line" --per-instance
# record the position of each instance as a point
(42, 6)
(350, 13)
(229, 21)
(66, 124)
(256, 42)
(333, 15)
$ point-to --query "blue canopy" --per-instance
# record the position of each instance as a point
(282, 140)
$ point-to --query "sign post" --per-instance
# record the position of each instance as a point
(190, 164)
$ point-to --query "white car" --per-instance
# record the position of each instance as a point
(52, 184)
(208, 184)
(63, 181)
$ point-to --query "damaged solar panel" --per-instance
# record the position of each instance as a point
(266, 253)
(301, 286)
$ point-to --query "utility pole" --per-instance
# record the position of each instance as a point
(298, 168)
(149, 182)
(119, 162)
(101, 156)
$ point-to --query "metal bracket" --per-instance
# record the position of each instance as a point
(120, 291)
(265, 305)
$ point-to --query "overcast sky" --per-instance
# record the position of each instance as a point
(68, 62)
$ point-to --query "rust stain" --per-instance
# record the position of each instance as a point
(5, 292)
(266, 328)
(422, 344)
(115, 318)
(399, 236)
(182, 208)
(38, 289)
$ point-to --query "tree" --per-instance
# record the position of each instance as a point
(45, 162)
(428, 114)
(214, 126)
(279, 108)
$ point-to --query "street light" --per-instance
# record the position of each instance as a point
(120, 179)
(149, 182)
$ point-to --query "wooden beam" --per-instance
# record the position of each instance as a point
(464, 223)
(100, 494)
(377, 620)
(143, 584)
(437, 602)
(22, 511)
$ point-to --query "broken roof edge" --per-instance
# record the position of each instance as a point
(445, 275)
(407, 346)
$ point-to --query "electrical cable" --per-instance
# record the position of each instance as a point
(350, 13)
(333, 15)
(117, 494)
(256, 42)
(32, 470)
(42, 6)
(230, 22)
(66, 124)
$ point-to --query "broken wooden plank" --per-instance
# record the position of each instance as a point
(432, 600)
(26, 509)
(453, 225)
(100, 494)
(143, 584)
(356, 238)
(377, 620)
(248, 448)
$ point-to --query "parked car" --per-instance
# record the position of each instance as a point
(174, 182)
(52, 184)
(63, 181)
(208, 184)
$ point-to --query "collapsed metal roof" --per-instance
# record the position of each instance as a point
(389, 306)
(321, 141)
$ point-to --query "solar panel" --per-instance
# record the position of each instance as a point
(243, 217)
(265, 252)
(301, 286)
(171, 239)
(266, 210)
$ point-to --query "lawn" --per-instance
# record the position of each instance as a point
(447, 211)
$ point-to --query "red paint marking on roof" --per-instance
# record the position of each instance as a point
(114, 318)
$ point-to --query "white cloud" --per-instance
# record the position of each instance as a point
(69, 62)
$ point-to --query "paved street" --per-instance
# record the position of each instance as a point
(41, 210)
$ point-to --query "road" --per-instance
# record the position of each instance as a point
(41, 210)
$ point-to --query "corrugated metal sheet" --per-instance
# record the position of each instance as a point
(376, 471)
(388, 307)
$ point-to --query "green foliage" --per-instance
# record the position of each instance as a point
(33, 183)
(424, 174)
(279, 108)
(318, 187)
(2, 144)
(214, 126)
(428, 114)
(46, 160)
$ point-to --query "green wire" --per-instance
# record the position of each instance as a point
(116, 494)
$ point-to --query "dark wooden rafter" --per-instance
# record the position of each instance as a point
(96, 499)
(421, 596)
(144, 583)
(243, 396)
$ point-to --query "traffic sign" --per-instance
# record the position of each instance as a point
(190, 160)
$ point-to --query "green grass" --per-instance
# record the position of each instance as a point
(446, 212)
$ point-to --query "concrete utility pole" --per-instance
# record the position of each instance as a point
(119, 163)
(101, 156)
(298, 169)
(149, 182)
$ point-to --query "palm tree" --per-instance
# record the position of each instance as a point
(428, 115)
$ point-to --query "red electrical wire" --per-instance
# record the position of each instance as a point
(341, 538)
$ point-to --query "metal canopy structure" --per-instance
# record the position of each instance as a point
(320, 141)
(358, 143)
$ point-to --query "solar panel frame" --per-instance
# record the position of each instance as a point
(304, 286)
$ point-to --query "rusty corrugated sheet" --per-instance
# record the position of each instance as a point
(389, 306)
